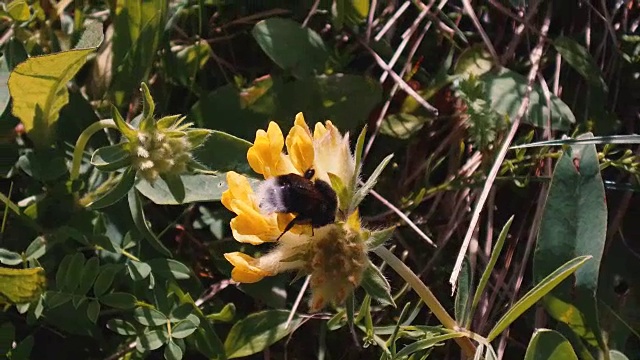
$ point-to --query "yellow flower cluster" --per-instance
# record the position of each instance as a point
(334, 255)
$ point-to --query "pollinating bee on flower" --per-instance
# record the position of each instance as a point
(307, 205)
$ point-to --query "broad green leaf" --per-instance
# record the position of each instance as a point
(169, 268)
(227, 314)
(138, 270)
(462, 304)
(112, 158)
(19, 286)
(71, 278)
(233, 148)
(117, 192)
(9, 257)
(36, 249)
(376, 285)
(292, 47)
(54, 299)
(188, 61)
(152, 339)
(506, 90)
(402, 126)
(495, 254)
(198, 188)
(548, 344)
(258, 331)
(580, 59)
(475, 60)
(135, 205)
(426, 343)
(43, 164)
(7, 335)
(38, 86)
(574, 223)
(172, 351)
(119, 300)
(535, 294)
(23, 350)
(184, 328)
(105, 279)
(93, 310)
(88, 275)
(4, 89)
(138, 27)
(121, 327)
(19, 10)
(319, 98)
(149, 317)
(378, 238)
(175, 185)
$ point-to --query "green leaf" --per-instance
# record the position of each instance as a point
(152, 339)
(170, 269)
(426, 344)
(23, 350)
(43, 164)
(138, 27)
(376, 285)
(71, 277)
(54, 299)
(462, 304)
(172, 351)
(574, 223)
(292, 47)
(319, 98)
(117, 192)
(135, 206)
(93, 310)
(138, 270)
(258, 331)
(105, 279)
(9, 257)
(362, 192)
(198, 188)
(36, 249)
(535, 294)
(38, 86)
(378, 238)
(184, 328)
(149, 317)
(617, 355)
(121, 327)
(402, 126)
(475, 60)
(147, 122)
(112, 158)
(125, 128)
(19, 10)
(506, 90)
(88, 275)
(227, 314)
(580, 59)
(19, 286)
(548, 344)
(7, 335)
(119, 300)
(189, 61)
(495, 254)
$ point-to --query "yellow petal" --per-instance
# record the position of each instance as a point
(299, 121)
(251, 222)
(285, 219)
(300, 148)
(332, 153)
(244, 270)
(265, 155)
(238, 189)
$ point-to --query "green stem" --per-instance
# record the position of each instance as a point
(427, 296)
(83, 139)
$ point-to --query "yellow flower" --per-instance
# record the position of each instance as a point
(334, 255)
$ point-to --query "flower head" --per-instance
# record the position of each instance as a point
(335, 254)
(162, 147)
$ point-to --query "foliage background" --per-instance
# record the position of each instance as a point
(234, 65)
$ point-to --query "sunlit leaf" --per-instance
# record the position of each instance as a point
(548, 344)
(19, 286)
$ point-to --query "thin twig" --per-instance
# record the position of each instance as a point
(298, 301)
(392, 20)
(313, 10)
(536, 55)
(472, 14)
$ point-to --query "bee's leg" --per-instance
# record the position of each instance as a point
(289, 226)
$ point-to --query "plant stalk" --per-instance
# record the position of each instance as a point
(83, 139)
(427, 296)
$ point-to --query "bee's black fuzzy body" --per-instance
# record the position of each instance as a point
(313, 202)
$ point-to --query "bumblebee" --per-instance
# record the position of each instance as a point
(313, 202)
